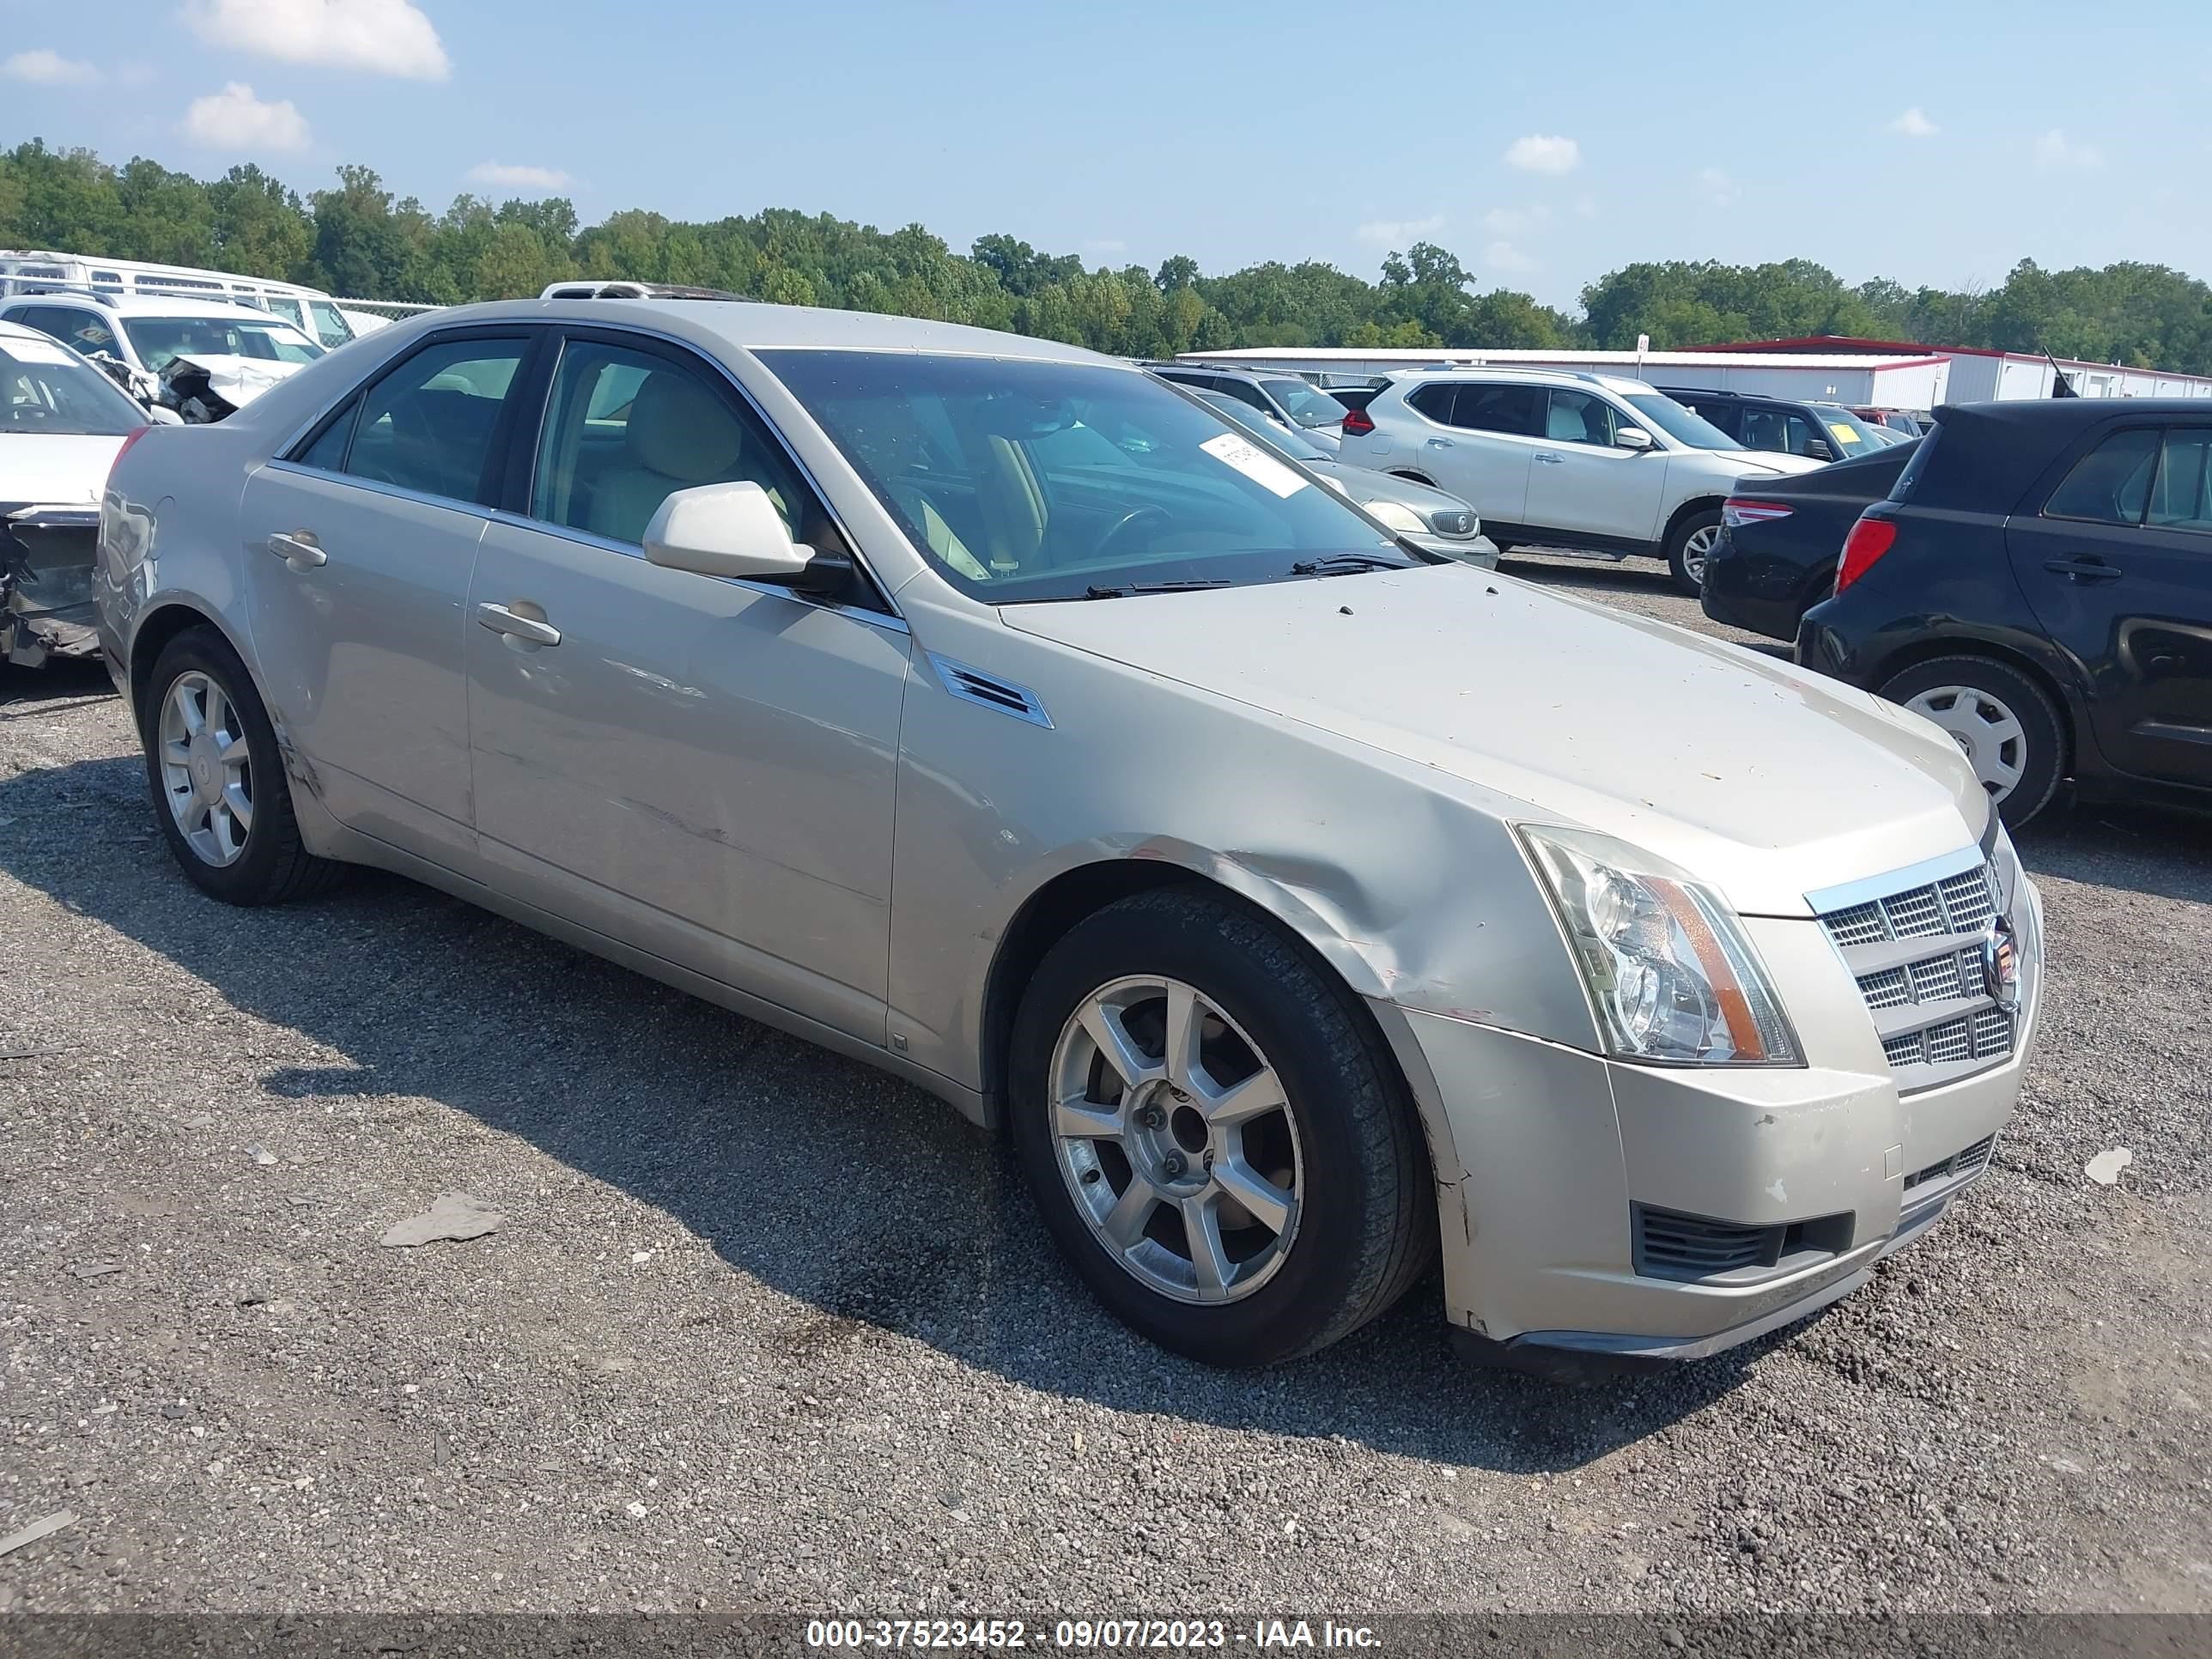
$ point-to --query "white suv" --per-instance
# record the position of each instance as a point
(1564, 457)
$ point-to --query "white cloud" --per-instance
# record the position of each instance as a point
(1720, 189)
(1914, 124)
(1539, 153)
(235, 119)
(1398, 232)
(1503, 256)
(518, 177)
(2055, 149)
(383, 37)
(1515, 222)
(44, 66)
(1106, 245)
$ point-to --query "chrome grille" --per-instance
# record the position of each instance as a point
(1934, 1009)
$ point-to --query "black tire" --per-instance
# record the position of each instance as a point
(1677, 548)
(273, 868)
(2043, 733)
(1366, 1223)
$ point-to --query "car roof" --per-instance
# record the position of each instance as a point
(2008, 446)
(758, 326)
(1254, 375)
(1561, 377)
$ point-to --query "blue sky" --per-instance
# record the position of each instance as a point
(1933, 141)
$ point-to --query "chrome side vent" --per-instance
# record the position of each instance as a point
(973, 686)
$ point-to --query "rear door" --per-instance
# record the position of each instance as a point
(2117, 566)
(358, 547)
(1581, 483)
(1478, 439)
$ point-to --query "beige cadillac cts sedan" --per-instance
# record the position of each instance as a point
(991, 711)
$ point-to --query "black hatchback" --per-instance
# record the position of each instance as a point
(2038, 583)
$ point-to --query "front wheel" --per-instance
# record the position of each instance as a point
(1211, 1135)
(1690, 546)
(220, 792)
(2005, 724)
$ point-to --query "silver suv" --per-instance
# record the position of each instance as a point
(988, 710)
(1564, 458)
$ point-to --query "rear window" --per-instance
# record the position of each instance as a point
(1914, 468)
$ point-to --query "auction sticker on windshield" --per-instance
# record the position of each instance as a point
(1255, 464)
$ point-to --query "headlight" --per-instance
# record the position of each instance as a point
(1670, 974)
(1400, 517)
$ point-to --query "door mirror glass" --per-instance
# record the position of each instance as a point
(724, 530)
(1634, 437)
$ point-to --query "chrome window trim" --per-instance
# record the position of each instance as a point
(377, 486)
(1827, 900)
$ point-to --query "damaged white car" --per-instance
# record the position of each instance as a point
(204, 359)
(61, 427)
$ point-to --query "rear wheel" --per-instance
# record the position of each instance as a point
(2005, 724)
(1211, 1134)
(1690, 546)
(220, 792)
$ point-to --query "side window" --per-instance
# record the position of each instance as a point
(87, 332)
(1245, 392)
(1765, 429)
(49, 320)
(625, 429)
(2111, 484)
(1579, 417)
(1434, 400)
(327, 452)
(2181, 497)
(1515, 409)
(331, 329)
(1801, 434)
(427, 424)
(287, 309)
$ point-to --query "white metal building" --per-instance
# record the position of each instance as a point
(1915, 377)
(1980, 374)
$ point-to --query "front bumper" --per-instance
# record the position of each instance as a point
(1565, 1155)
(1479, 550)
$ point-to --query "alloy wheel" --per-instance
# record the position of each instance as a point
(1176, 1140)
(207, 774)
(1989, 732)
(1696, 548)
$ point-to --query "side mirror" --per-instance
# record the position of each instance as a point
(1634, 438)
(1818, 450)
(733, 530)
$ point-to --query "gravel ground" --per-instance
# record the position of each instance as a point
(766, 1330)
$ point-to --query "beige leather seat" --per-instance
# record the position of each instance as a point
(678, 434)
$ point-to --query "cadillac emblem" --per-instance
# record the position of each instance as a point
(2001, 964)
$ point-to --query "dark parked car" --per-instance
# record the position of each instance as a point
(2038, 582)
(1776, 557)
(1825, 431)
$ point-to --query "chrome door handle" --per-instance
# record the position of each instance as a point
(1440, 443)
(501, 620)
(298, 549)
(1549, 459)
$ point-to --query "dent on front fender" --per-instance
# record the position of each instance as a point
(1406, 880)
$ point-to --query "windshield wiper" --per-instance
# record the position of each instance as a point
(1100, 591)
(1345, 565)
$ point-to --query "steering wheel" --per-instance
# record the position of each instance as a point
(1151, 519)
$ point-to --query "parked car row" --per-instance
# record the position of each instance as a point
(201, 358)
(1297, 897)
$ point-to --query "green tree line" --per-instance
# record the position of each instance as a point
(358, 238)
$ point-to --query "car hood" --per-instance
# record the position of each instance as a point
(1756, 776)
(237, 380)
(51, 469)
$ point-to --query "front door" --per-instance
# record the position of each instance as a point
(701, 768)
(2118, 566)
(358, 549)
(1581, 482)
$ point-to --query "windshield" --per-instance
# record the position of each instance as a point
(1679, 423)
(46, 390)
(1308, 405)
(1023, 481)
(1285, 438)
(161, 340)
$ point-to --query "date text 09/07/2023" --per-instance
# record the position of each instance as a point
(1087, 1634)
